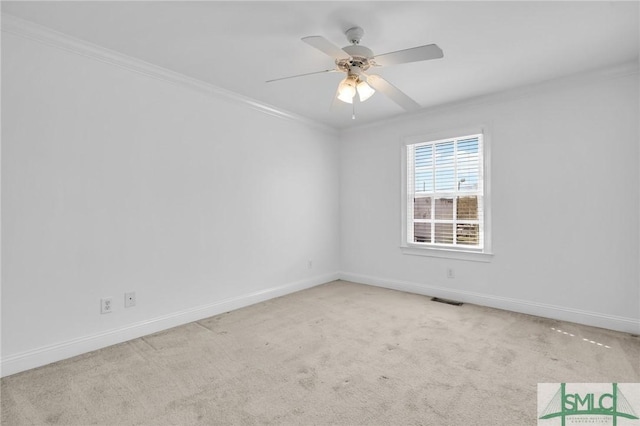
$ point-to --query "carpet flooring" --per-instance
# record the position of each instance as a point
(337, 354)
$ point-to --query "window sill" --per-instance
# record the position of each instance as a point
(447, 254)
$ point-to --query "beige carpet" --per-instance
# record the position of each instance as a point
(337, 354)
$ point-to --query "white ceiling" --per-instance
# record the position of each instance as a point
(488, 46)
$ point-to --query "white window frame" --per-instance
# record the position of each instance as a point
(462, 253)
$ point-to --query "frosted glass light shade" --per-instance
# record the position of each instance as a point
(346, 90)
(365, 91)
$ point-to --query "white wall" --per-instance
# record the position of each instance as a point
(115, 181)
(565, 192)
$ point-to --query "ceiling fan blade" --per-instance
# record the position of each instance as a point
(324, 45)
(302, 75)
(395, 94)
(335, 102)
(420, 53)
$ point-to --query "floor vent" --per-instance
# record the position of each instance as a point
(447, 301)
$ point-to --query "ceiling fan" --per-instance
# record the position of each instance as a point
(355, 60)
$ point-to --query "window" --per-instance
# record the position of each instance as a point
(445, 200)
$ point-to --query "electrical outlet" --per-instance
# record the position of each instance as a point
(450, 273)
(106, 305)
(130, 299)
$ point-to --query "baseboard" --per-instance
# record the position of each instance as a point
(595, 319)
(57, 352)
(45, 355)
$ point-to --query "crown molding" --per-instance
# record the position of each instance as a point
(564, 82)
(29, 30)
(32, 31)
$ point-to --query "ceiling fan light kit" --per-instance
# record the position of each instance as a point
(352, 84)
(355, 60)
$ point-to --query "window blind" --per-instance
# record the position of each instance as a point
(445, 193)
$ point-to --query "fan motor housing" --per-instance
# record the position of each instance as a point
(359, 57)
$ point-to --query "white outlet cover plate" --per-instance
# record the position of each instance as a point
(106, 305)
(129, 299)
